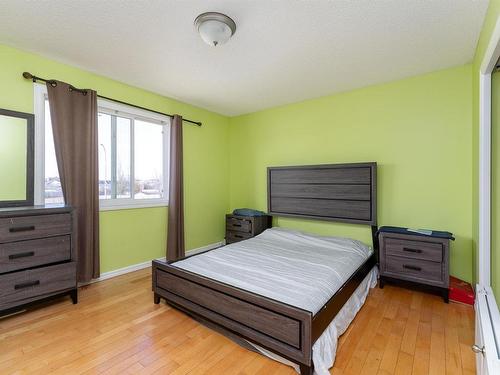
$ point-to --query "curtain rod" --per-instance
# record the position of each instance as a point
(30, 76)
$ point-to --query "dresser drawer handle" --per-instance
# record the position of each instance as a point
(236, 225)
(410, 250)
(414, 268)
(238, 236)
(22, 255)
(22, 229)
(27, 284)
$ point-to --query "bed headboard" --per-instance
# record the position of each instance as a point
(335, 192)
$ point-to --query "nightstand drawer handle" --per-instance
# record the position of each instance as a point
(236, 225)
(22, 229)
(27, 284)
(414, 268)
(22, 255)
(410, 250)
(238, 236)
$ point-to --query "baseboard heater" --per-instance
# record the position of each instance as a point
(487, 342)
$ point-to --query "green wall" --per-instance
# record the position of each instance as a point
(133, 236)
(13, 132)
(417, 129)
(488, 26)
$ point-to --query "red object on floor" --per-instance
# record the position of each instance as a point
(461, 291)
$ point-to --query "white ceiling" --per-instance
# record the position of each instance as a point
(283, 50)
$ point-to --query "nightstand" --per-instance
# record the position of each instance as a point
(239, 228)
(416, 259)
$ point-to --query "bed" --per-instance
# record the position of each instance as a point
(242, 289)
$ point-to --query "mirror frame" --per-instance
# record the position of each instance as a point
(30, 158)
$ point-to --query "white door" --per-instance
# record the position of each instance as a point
(487, 342)
(481, 368)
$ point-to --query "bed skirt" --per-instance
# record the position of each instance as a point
(325, 348)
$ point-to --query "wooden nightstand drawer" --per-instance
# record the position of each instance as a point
(414, 249)
(238, 224)
(232, 236)
(423, 270)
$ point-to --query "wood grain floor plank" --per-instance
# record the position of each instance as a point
(359, 357)
(405, 364)
(410, 333)
(422, 349)
(391, 353)
(453, 356)
(377, 349)
(437, 360)
(116, 329)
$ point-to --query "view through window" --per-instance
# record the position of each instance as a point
(131, 159)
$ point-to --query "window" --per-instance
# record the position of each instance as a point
(133, 156)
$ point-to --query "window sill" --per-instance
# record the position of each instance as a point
(131, 204)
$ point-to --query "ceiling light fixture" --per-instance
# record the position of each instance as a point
(215, 28)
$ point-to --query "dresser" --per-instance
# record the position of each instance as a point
(239, 228)
(37, 255)
(422, 260)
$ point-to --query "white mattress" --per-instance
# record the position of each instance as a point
(302, 270)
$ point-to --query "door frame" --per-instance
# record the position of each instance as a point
(488, 64)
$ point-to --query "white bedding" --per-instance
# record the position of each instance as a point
(296, 268)
(300, 269)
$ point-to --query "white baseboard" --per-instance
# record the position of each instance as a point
(140, 266)
(205, 248)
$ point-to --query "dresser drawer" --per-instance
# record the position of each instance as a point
(26, 254)
(423, 270)
(414, 249)
(238, 225)
(27, 227)
(23, 286)
(232, 236)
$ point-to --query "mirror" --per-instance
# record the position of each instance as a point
(16, 158)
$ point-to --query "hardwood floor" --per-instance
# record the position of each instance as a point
(116, 329)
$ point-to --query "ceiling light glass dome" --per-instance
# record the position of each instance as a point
(215, 28)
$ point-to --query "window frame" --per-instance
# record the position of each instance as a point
(110, 108)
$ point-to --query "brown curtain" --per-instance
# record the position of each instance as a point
(74, 122)
(175, 232)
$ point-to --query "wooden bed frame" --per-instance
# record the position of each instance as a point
(337, 192)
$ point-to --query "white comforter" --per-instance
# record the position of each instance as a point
(299, 269)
